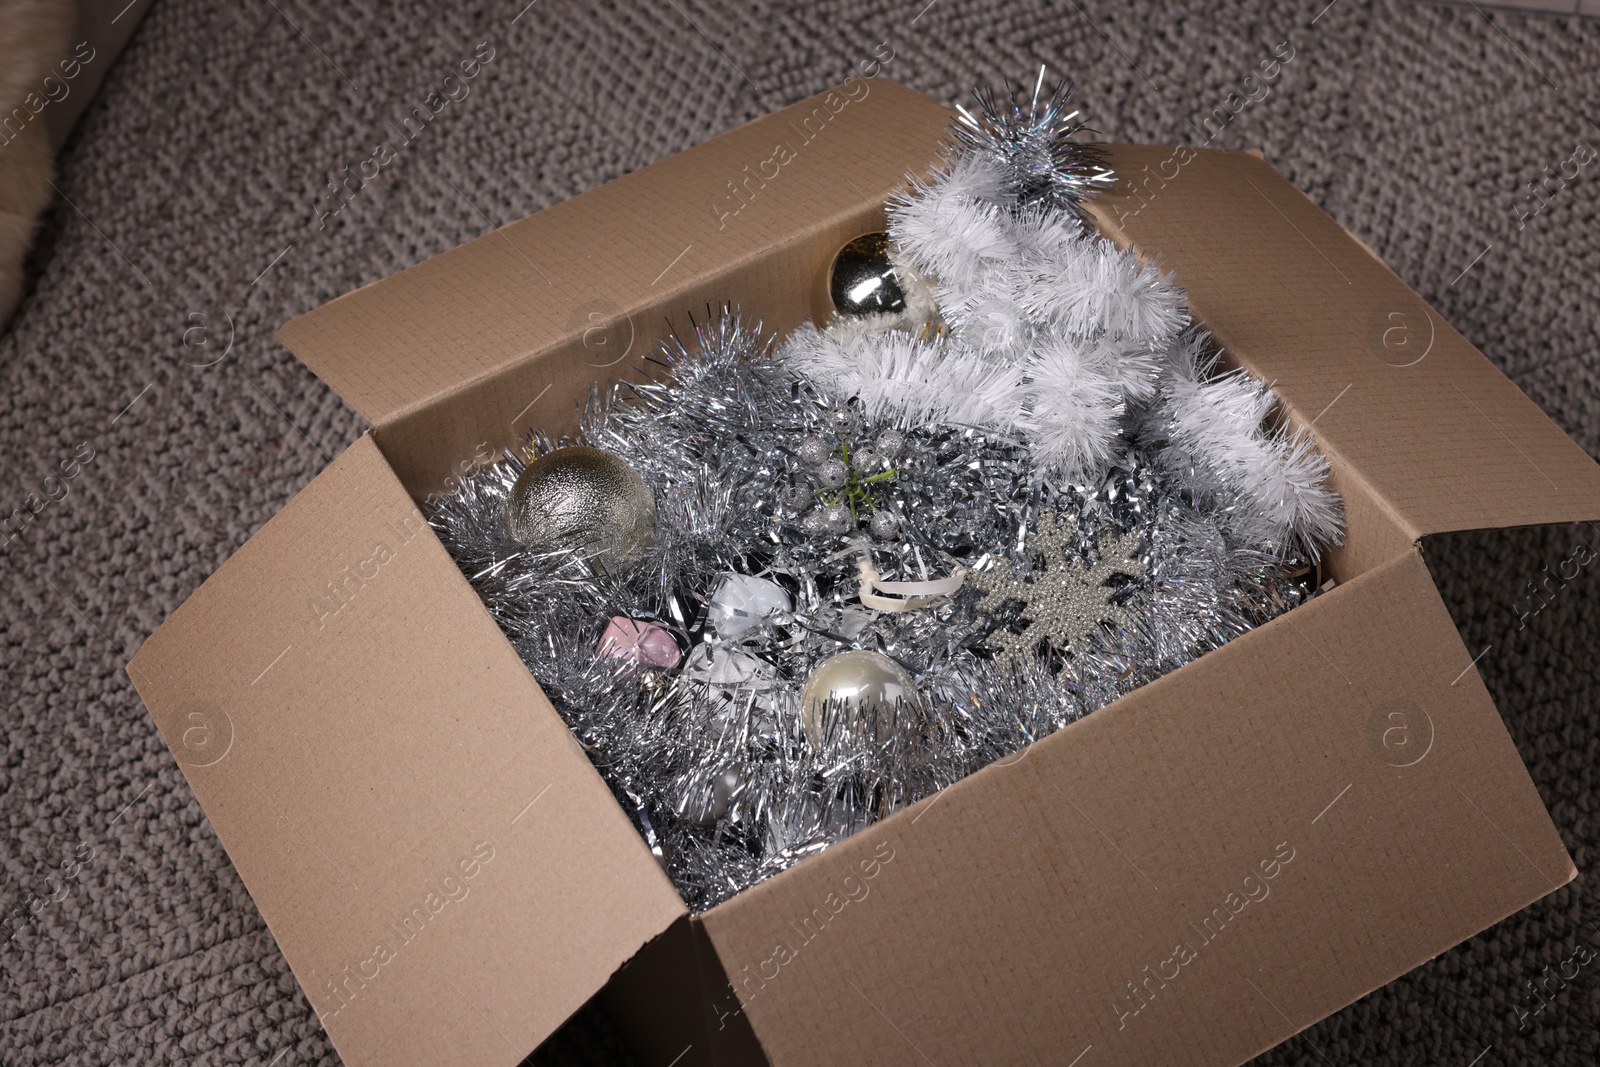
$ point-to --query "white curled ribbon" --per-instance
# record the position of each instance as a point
(880, 595)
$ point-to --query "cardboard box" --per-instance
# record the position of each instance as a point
(1188, 876)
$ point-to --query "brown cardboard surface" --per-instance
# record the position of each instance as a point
(1425, 434)
(598, 268)
(1029, 913)
(546, 391)
(411, 816)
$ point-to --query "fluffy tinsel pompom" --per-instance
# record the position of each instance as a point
(1031, 140)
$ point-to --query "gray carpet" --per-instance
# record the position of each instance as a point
(189, 191)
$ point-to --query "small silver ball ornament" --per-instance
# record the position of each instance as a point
(846, 420)
(891, 443)
(833, 474)
(884, 525)
(837, 518)
(814, 451)
(585, 498)
(795, 497)
(708, 807)
(867, 689)
(872, 287)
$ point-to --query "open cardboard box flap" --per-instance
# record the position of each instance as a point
(358, 730)
(675, 235)
(352, 721)
(423, 836)
(1425, 435)
(1189, 876)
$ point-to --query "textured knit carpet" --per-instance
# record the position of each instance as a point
(188, 197)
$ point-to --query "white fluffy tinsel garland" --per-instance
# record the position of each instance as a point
(1056, 335)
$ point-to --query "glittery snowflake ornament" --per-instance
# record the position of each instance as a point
(1065, 599)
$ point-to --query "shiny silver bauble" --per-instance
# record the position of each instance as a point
(869, 287)
(586, 499)
(863, 281)
(862, 692)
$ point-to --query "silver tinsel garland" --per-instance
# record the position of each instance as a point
(848, 493)
(711, 759)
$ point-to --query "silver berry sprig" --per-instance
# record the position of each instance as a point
(850, 482)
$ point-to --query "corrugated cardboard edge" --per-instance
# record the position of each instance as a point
(442, 865)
